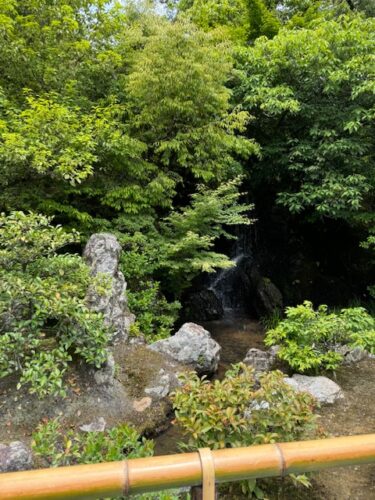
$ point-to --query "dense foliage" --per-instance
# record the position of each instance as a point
(43, 317)
(57, 447)
(312, 94)
(163, 129)
(110, 119)
(236, 412)
(309, 338)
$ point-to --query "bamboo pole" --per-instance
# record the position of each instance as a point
(157, 473)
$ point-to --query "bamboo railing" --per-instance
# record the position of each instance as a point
(186, 469)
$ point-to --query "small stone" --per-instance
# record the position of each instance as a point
(261, 361)
(15, 457)
(141, 405)
(256, 406)
(161, 390)
(322, 389)
(97, 425)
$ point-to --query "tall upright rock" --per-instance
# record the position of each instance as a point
(102, 254)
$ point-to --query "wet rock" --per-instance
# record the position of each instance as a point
(162, 386)
(191, 345)
(98, 425)
(234, 285)
(269, 297)
(102, 254)
(261, 361)
(15, 457)
(203, 306)
(244, 284)
(322, 389)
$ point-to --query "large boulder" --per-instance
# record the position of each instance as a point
(191, 345)
(102, 254)
(15, 457)
(322, 389)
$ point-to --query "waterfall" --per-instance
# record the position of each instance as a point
(228, 285)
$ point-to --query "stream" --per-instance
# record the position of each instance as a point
(353, 415)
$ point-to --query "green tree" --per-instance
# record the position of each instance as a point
(261, 20)
(311, 92)
(180, 105)
(111, 117)
(241, 20)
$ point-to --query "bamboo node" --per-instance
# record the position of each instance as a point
(208, 473)
(126, 479)
(283, 468)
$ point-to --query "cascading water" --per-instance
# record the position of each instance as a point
(222, 284)
(231, 285)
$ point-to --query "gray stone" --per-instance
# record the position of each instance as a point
(106, 374)
(97, 425)
(162, 386)
(102, 254)
(261, 361)
(351, 354)
(15, 457)
(256, 406)
(274, 351)
(191, 345)
(322, 389)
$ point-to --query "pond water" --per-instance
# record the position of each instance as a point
(353, 415)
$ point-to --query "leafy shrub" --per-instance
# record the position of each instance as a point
(235, 412)
(308, 338)
(58, 448)
(43, 317)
